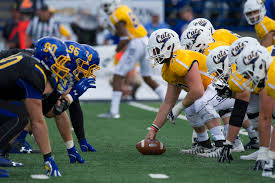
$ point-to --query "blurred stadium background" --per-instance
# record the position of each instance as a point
(82, 21)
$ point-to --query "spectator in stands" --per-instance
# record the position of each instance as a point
(14, 31)
(155, 23)
(172, 8)
(270, 8)
(216, 11)
(41, 26)
(186, 16)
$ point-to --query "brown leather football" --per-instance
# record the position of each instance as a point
(150, 147)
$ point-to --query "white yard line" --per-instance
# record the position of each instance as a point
(154, 109)
(149, 108)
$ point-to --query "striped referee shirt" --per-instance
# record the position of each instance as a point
(38, 29)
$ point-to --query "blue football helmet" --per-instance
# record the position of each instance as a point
(52, 53)
(78, 57)
(93, 59)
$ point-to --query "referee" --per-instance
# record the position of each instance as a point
(41, 26)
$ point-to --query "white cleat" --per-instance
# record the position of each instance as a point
(252, 156)
(109, 115)
(195, 150)
(268, 168)
(238, 145)
(214, 153)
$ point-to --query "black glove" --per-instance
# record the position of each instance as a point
(259, 165)
(225, 92)
(225, 155)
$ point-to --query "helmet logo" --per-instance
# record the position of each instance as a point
(238, 48)
(220, 57)
(251, 58)
(201, 23)
(163, 38)
(194, 34)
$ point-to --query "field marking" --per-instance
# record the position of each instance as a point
(149, 108)
(154, 109)
(158, 176)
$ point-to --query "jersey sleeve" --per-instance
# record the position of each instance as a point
(119, 15)
(225, 35)
(264, 27)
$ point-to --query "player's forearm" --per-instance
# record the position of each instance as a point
(267, 40)
(161, 117)
(64, 127)
(40, 132)
(192, 96)
(121, 45)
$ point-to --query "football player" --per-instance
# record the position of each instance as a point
(254, 12)
(256, 65)
(133, 35)
(241, 79)
(27, 78)
(184, 69)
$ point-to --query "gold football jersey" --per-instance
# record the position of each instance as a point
(270, 79)
(225, 35)
(264, 27)
(180, 64)
(125, 14)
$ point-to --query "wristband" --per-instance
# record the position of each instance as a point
(45, 156)
(70, 98)
(155, 127)
(123, 38)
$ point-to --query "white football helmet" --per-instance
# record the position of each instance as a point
(162, 43)
(196, 38)
(253, 64)
(218, 66)
(109, 6)
(238, 46)
(202, 22)
(254, 11)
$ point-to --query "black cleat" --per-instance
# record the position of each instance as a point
(252, 144)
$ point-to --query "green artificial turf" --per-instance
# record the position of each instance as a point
(117, 159)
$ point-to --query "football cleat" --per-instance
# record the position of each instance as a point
(252, 156)
(195, 150)
(4, 162)
(22, 147)
(268, 168)
(238, 145)
(213, 153)
(252, 144)
(109, 115)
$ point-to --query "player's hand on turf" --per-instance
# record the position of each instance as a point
(81, 87)
(51, 167)
(225, 155)
(74, 156)
(225, 92)
(85, 146)
(151, 135)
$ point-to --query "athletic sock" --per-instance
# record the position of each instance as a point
(116, 97)
(159, 91)
(216, 133)
(22, 136)
(202, 136)
(251, 132)
(225, 129)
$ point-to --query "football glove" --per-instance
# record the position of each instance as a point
(74, 156)
(225, 155)
(81, 87)
(225, 92)
(63, 85)
(177, 109)
(259, 165)
(51, 167)
(268, 168)
(85, 146)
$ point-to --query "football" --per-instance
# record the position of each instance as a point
(150, 147)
